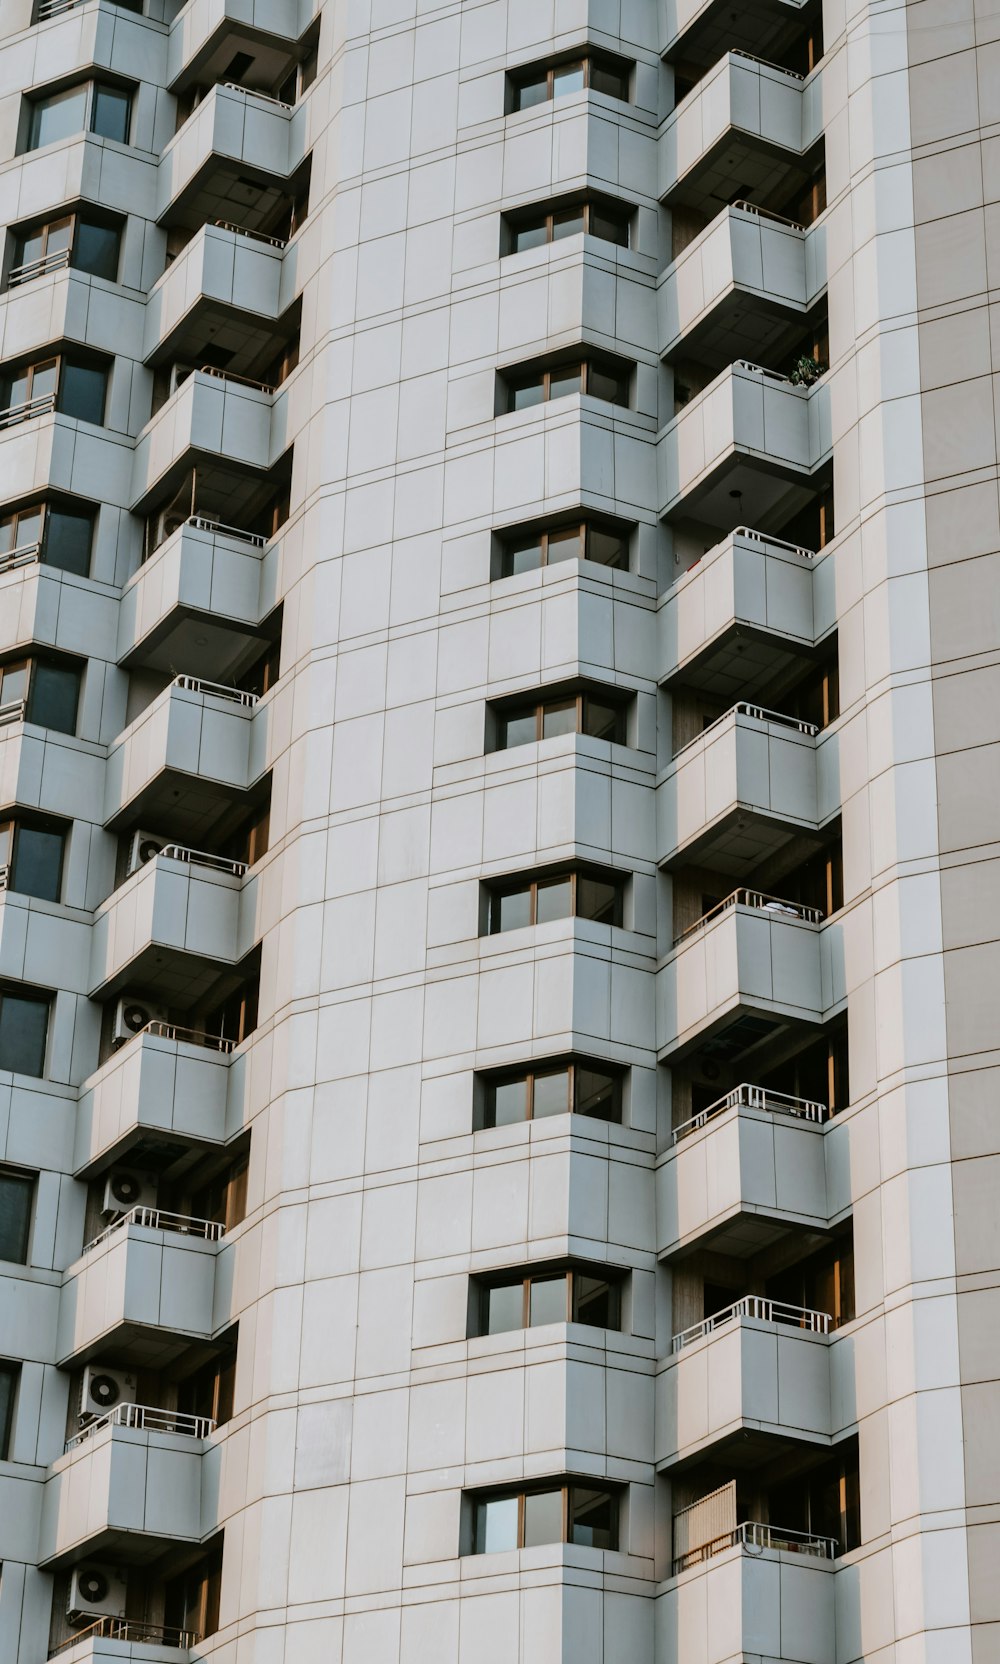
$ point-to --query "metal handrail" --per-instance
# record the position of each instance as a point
(767, 214)
(146, 1418)
(778, 542)
(243, 381)
(202, 523)
(13, 711)
(155, 1219)
(187, 1036)
(129, 1629)
(761, 370)
(15, 413)
(28, 555)
(203, 858)
(38, 268)
(257, 236)
(754, 1535)
(793, 74)
(217, 690)
(756, 899)
(764, 1311)
(760, 714)
(754, 1097)
(268, 97)
(53, 8)
(4, 876)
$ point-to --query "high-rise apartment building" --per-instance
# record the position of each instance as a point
(500, 832)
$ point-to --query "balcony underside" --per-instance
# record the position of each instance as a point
(184, 806)
(741, 840)
(738, 165)
(235, 192)
(766, 28)
(745, 488)
(744, 658)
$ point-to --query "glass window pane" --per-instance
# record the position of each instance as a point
(601, 721)
(8, 1387)
(43, 379)
(29, 528)
(13, 683)
(611, 82)
(593, 1518)
(565, 544)
(611, 228)
(15, 1216)
(595, 1302)
(510, 1102)
(513, 910)
(597, 1094)
(7, 525)
(59, 235)
(23, 1026)
(547, 1300)
(68, 539)
(568, 222)
(6, 841)
(30, 247)
(551, 1095)
(555, 900)
(523, 556)
(504, 1309)
(520, 730)
(15, 389)
(603, 383)
(596, 899)
(567, 78)
(543, 1518)
(529, 235)
(606, 547)
(524, 394)
(38, 858)
(83, 391)
(532, 90)
(96, 250)
(564, 380)
(55, 690)
(496, 1525)
(559, 718)
(110, 118)
(58, 117)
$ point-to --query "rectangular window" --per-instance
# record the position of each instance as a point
(209, 1391)
(583, 713)
(17, 1192)
(585, 1514)
(224, 1199)
(53, 696)
(192, 1600)
(83, 391)
(577, 1088)
(73, 240)
(582, 540)
(24, 1024)
(583, 895)
(609, 221)
(599, 72)
(68, 540)
(550, 1297)
(9, 1376)
(33, 858)
(96, 249)
(601, 378)
(111, 113)
(95, 107)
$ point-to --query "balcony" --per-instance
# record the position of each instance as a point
(173, 926)
(744, 613)
(745, 121)
(223, 278)
(212, 416)
(234, 137)
(753, 961)
(145, 1289)
(743, 1172)
(755, 1372)
(181, 762)
(127, 1488)
(119, 1640)
(737, 290)
(693, 29)
(748, 436)
(198, 600)
(757, 1592)
(42, 606)
(737, 793)
(198, 32)
(167, 1085)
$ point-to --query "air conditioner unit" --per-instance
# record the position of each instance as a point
(145, 846)
(103, 1389)
(96, 1592)
(124, 1190)
(131, 1015)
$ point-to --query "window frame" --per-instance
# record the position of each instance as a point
(16, 825)
(11, 415)
(20, 993)
(571, 1274)
(518, 222)
(586, 365)
(22, 554)
(572, 1066)
(30, 1183)
(545, 881)
(44, 263)
(521, 77)
(11, 1369)
(582, 700)
(565, 1488)
(584, 527)
(91, 86)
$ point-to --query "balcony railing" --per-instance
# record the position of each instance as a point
(764, 1311)
(793, 74)
(15, 413)
(760, 714)
(775, 542)
(767, 214)
(756, 1537)
(756, 899)
(202, 858)
(129, 1630)
(241, 381)
(146, 1418)
(155, 1219)
(753, 1097)
(13, 711)
(189, 1036)
(28, 555)
(203, 524)
(268, 97)
(255, 236)
(54, 262)
(218, 690)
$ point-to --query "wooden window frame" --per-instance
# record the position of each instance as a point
(585, 61)
(580, 699)
(546, 221)
(564, 1488)
(583, 528)
(571, 1067)
(548, 881)
(585, 366)
(570, 1273)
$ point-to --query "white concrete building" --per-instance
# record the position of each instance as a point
(500, 832)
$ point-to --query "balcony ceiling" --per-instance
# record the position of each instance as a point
(739, 168)
(747, 491)
(741, 664)
(769, 29)
(742, 325)
(271, 59)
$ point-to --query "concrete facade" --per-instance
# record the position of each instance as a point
(499, 832)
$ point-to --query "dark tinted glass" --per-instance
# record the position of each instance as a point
(555, 900)
(529, 235)
(609, 384)
(597, 900)
(559, 718)
(543, 1521)
(38, 856)
(547, 1300)
(606, 547)
(596, 1302)
(564, 380)
(567, 222)
(110, 114)
(526, 393)
(68, 539)
(521, 729)
(8, 1387)
(611, 228)
(96, 249)
(612, 82)
(523, 556)
(512, 911)
(593, 1518)
(58, 117)
(23, 1026)
(15, 1216)
(508, 1103)
(551, 1094)
(601, 722)
(52, 701)
(567, 78)
(82, 392)
(504, 1309)
(533, 89)
(564, 544)
(597, 1095)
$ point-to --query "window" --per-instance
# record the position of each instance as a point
(236, 1017)
(597, 72)
(582, 894)
(48, 691)
(191, 1601)
(602, 378)
(224, 1199)
(574, 1088)
(73, 240)
(24, 1023)
(209, 1391)
(824, 1282)
(59, 537)
(582, 540)
(549, 1297)
(17, 1191)
(64, 384)
(609, 221)
(584, 1514)
(96, 107)
(32, 858)
(9, 1376)
(581, 713)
